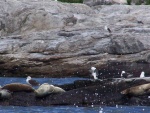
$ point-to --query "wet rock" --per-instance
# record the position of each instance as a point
(100, 92)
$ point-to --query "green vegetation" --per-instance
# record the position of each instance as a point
(147, 2)
(129, 2)
(72, 1)
(138, 2)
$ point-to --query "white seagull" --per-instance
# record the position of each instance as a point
(142, 74)
(32, 82)
(126, 75)
(94, 72)
(107, 29)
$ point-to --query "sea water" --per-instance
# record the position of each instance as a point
(58, 81)
(65, 109)
(74, 109)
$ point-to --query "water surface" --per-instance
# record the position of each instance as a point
(58, 81)
(74, 109)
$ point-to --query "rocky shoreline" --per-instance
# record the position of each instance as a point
(59, 39)
(106, 92)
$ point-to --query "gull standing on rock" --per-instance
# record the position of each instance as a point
(142, 74)
(32, 82)
(126, 75)
(107, 29)
(94, 73)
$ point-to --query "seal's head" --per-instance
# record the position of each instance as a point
(124, 92)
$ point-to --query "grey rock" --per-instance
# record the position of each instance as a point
(54, 39)
(126, 45)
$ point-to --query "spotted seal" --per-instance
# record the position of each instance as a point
(46, 89)
(137, 90)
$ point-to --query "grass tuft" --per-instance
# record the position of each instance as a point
(72, 1)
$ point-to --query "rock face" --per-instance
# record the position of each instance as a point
(55, 39)
(84, 93)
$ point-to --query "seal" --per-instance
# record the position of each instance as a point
(46, 89)
(15, 87)
(5, 94)
(58, 90)
(137, 90)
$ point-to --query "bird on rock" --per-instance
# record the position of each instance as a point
(142, 74)
(107, 29)
(94, 73)
(32, 82)
(126, 75)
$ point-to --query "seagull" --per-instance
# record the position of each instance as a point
(125, 75)
(32, 82)
(142, 74)
(94, 73)
(107, 29)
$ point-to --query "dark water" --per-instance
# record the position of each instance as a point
(65, 109)
(73, 109)
(59, 81)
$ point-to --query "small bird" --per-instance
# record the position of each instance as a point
(107, 29)
(140, 22)
(94, 73)
(126, 75)
(142, 74)
(32, 82)
(2, 26)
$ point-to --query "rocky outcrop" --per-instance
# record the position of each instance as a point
(105, 92)
(55, 39)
